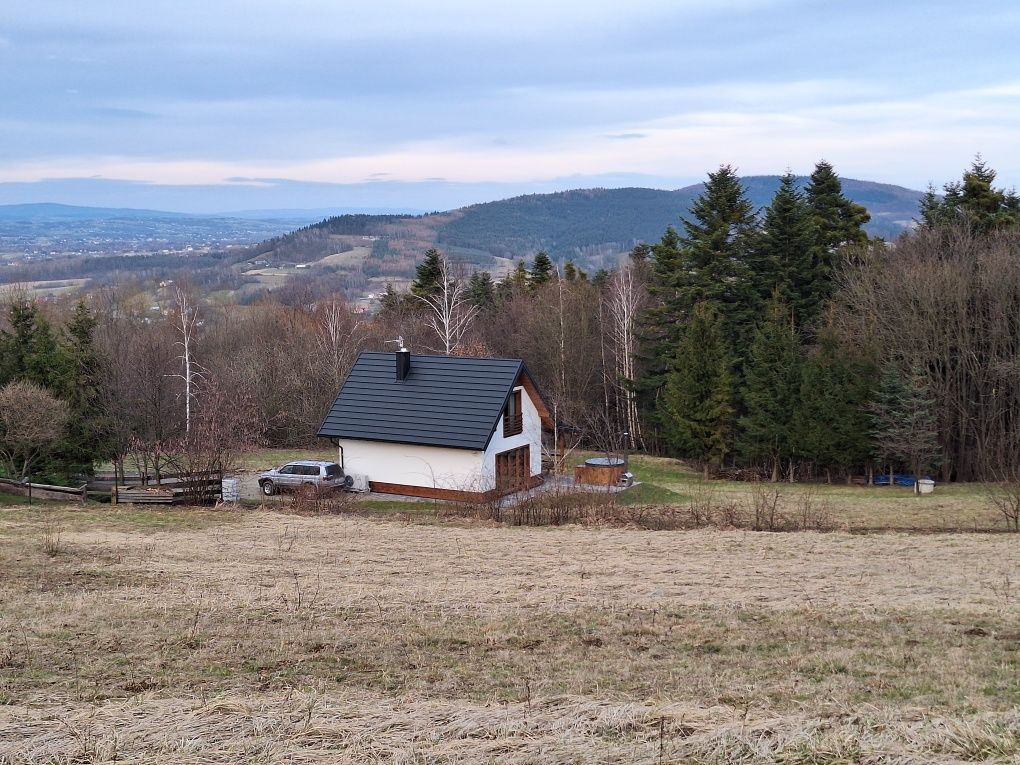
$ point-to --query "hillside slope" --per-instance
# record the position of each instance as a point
(590, 226)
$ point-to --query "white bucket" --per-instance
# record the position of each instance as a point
(925, 486)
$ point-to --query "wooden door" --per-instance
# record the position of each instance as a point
(513, 469)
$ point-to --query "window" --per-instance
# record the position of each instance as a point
(333, 470)
(513, 420)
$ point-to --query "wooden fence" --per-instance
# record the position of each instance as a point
(44, 491)
(198, 489)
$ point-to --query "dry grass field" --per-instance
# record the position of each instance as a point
(185, 636)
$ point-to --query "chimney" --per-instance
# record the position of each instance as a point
(403, 364)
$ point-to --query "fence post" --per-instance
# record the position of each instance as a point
(84, 494)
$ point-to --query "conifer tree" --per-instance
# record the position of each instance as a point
(832, 428)
(714, 257)
(46, 364)
(391, 301)
(709, 263)
(428, 274)
(973, 200)
(542, 269)
(89, 432)
(570, 271)
(697, 411)
(771, 388)
(788, 258)
(481, 291)
(903, 420)
(641, 253)
(662, 325)
(16, 345)
(838, 221)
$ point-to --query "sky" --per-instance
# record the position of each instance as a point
(218, 105)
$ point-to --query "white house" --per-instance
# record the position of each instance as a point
(446, 427)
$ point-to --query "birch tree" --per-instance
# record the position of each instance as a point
(336, 340)
(626, 299)
(450, 313)
(185, 321)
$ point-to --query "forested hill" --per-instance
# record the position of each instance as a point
(591, 226)
(569, 221)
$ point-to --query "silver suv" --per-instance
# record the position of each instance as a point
(316, 473)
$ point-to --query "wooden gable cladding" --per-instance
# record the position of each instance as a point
(525, 381)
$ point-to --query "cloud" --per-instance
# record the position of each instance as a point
(184, 93)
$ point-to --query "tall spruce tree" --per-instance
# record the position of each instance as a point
(89, 432)
(661, 326)
(709, 263)
(16, 345)
(974, 200)
(904, 427)
(481, 291)
(838, 221)
(696, 410)
(832, 427)
(788, 258)
(428, 274)
(771, 390)
(542, 269)
(715, 251)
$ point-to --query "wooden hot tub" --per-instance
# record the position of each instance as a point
(600, 471)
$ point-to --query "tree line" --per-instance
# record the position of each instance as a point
(786, 341)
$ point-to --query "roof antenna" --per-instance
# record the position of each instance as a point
(399, 341)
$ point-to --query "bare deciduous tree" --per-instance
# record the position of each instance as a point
(1004, 496)
(946, 302)
(185, 320)
(450, 314)
(336, 340)
(626, 298)
(31, 420)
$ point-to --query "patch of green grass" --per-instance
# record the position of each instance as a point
(13, 500)
(395, 505)
(651, 494)
(117, 517)
(263, 459)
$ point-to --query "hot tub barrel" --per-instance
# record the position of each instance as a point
(600, 471)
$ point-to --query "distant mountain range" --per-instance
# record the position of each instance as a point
(590, 226)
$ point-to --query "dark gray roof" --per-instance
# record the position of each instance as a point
(451, 401)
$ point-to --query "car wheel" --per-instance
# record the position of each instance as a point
(268, 488)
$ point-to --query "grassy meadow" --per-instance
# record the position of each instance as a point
(671, 483)
(257, 635)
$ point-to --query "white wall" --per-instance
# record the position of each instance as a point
(426, 466)
(530, 435)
